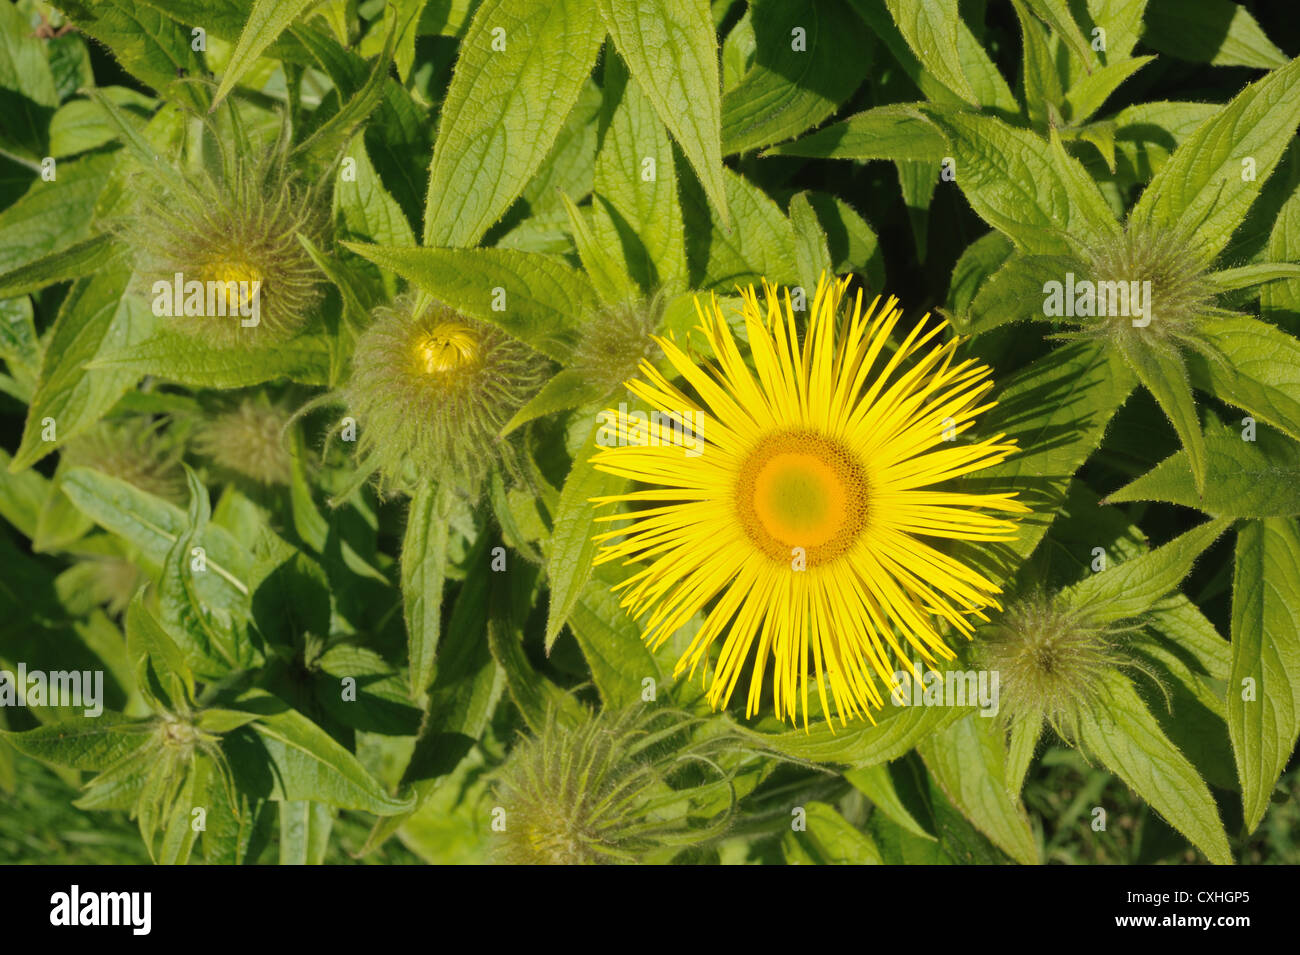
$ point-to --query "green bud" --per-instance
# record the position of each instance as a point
(602, 791)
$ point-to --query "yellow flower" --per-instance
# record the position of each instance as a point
(802, 510)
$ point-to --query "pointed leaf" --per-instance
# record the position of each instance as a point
(424, 568)
(266, 21)
(520, 70)
(1261, 374)
(1121, 732)
(968, 761)
(1203, 191)
(572, 547)
(309, 765)
(636, 206)
(1027, 187)
(1264, 686)
(1165, 376)
(896, 131)
(1134, 586)
(1258, 478)
(672, 51)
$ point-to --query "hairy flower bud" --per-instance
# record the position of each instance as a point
(431, 388)
(599, 791)
(1051, 661)
(244, 441)
(615, 341)
(220, 256)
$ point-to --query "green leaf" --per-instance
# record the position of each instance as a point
(896, 730)
(813, 256)
(1179, 620)
(1146, 135)
(1134, 586)
(84, 258)
(52, 216)
(220, 721)
(266, 21)
(877, 784)
(1056, 14)
(572, 548)
(22, 497)
(209, 623)
(1025, 186)
(788, 90)
(1259, 478)
(405, 15)
(69, 397)
(672, 52)
(636, 207)
(154, 526)
(149, 45)
(568, 169)
(20, 346)
(1248, 276)
(532, 692)
(930, 28)
(1020, 752)
(765, 248)
(292, 603)
(27, 90)
(1165, 376)
(86, 742)
(1057, 410)
(468, 683)
(1014, 293)
(504, 109)
(1209, 31)
(852, 243)
(968, 761)
(1043, 93)
(309, 765)
(1202, 191)
(326, 141)
(1123, 20)
(829, 839)
(465, 691)
(304, 832)
(971, 61)
(1261, 373)
(424, 568)
(1101, 135)
(176, 356)
(1264, 713)
(566, 389)
(611, 643)
(543, 298)
(1280, 301)
(397, 137)
(235, 830)
(606, 272)
(157, 660)
(1087, 96)
(82, 124)
(896, 131)
(179, 833)
(1121, 732)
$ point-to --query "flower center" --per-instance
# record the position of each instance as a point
(803, 490)
(235, 283)
(448, 347)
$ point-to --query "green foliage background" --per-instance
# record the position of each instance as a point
(785, 139)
